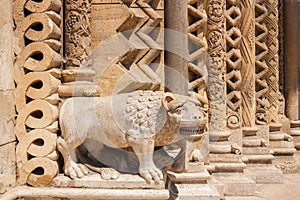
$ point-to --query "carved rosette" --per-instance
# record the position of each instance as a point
(233, 64)
(261, 67)
(37, 78)
(216, 70)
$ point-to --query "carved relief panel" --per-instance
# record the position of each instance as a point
(37, 78)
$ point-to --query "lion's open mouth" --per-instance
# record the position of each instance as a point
(191, 131)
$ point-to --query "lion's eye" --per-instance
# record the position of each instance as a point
(179, 111)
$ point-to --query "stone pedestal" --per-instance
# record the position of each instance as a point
(264, 173)
(235, 184)
(295, 133)
(225, 152)
(125, 187)
(255, 148)
(191, 186)
(257, 156)
(280, 143)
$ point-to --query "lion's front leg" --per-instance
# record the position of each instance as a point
(144, 150)
(71, 168)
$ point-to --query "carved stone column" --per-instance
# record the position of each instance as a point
(77, 50)
(216, 81)
(255, 146)
(291, 65)
(280, 143)
(233, 64)
(176, 45)
(256, 151)
(219, 136)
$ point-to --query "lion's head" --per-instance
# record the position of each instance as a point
(186, 114)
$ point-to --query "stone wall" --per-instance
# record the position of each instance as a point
(248, 127)
(7, 98)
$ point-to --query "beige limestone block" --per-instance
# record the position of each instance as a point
(236, 184)
(7, 116)
(109, 16)
(7, 167)
(6, 47)
(79, 89)
(194, 192)
(85, 193)
(95, 181)
(256, 151)
(7, 111)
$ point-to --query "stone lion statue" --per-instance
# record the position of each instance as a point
(141, 120)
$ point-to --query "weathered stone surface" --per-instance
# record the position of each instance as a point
(95, 181)
(109, 16)
(243, 87)
(87, 193)
(7, 167)
(264, 174)
(7, 99)
(6, 46)
(7, 117)
(194, 192)
(236, 184)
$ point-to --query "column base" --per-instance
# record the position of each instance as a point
(191, 186)
(267, 174)
(236, 184)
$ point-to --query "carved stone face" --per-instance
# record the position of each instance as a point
(185, 115)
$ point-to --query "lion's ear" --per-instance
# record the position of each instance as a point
(167, 99)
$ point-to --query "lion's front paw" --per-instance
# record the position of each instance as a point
(151, 173)
(74, 170)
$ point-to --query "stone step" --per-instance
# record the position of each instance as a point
(242, 198)
(252, 142)
(264, 174)
(228, 158)
(228, 167)
(193, 192)
(295, 132)
(94, 180)
(236, 184)
(256, 151)
(283, 151)
(282, 144)
(189, 177)
(258, 158)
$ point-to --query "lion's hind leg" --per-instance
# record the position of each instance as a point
(71, 168)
